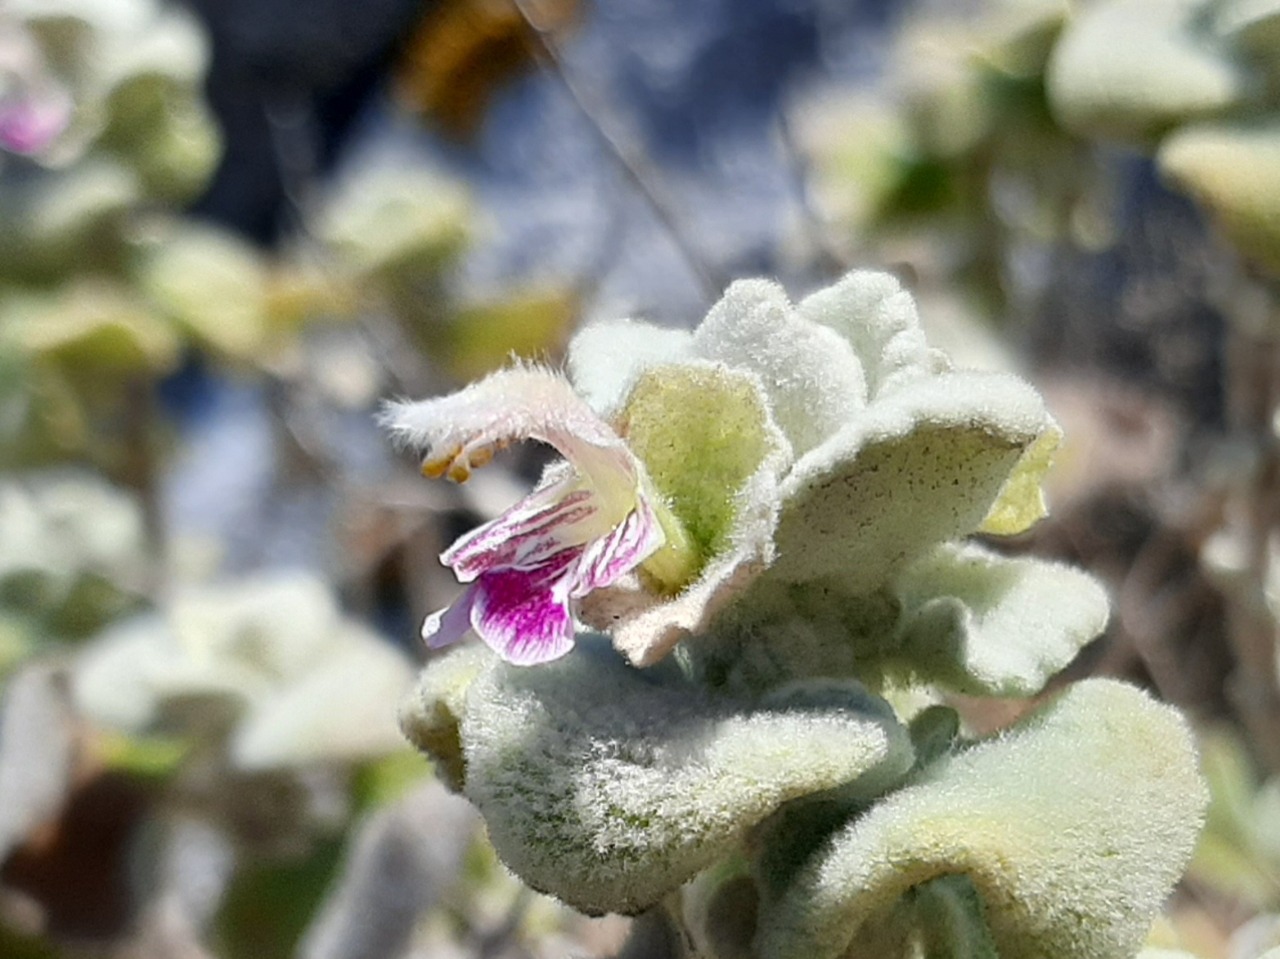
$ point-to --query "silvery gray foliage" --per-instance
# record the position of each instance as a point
(737, 733)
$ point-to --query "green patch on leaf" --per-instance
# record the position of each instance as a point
(702, 432)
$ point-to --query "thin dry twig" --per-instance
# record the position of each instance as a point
(629, 158)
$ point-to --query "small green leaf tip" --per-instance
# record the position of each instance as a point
(609, 787)
(1072, 828)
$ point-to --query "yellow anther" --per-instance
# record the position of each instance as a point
(433, 467)
(481, 456)
(460, 470)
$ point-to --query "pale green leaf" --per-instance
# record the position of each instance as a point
(919, 467)
(1130, 69)
(1253, 26)
(94, 327)
(712, 451)
(1233, 170)
(1072, 826)
(214, 286)
(609, 786)
(979, 623)
(702, 432)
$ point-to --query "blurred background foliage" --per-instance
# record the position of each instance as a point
(233, 227)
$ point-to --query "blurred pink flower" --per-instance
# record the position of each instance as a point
(34, 107)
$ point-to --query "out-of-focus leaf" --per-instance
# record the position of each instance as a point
(94, 328)
(269, 904)
(389, 223)
(338, 711)
(67, 222)
(1234, 171)
(385, 780)
(213, 285)
(1131, 69)
(147, 757)
(480, 338)
(401, 862)
(37, 751)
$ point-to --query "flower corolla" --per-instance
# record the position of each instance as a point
(591, 521)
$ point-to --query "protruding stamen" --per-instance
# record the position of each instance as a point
(434, 467)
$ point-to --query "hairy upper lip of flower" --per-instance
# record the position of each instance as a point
(580, 530)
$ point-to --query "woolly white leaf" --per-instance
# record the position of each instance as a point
(609, 787)
(1072, 826)
(878, 318)
(812, 376)
(605, 359)
(978, 623)
(920, 467)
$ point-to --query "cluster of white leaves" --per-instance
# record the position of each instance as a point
(270, 663)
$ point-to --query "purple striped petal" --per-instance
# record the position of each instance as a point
(523, 615)
(608, 559)
(524, 536)
(450, 624)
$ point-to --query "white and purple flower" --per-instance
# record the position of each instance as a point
(593, 520)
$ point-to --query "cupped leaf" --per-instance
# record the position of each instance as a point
(1234, 171)
(1130, 69)
(214, 286)
(1072, 827)
(702, 432)
(810, 373)
(711, 448)
(920, 467)
(979, 623)
(609, 787)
